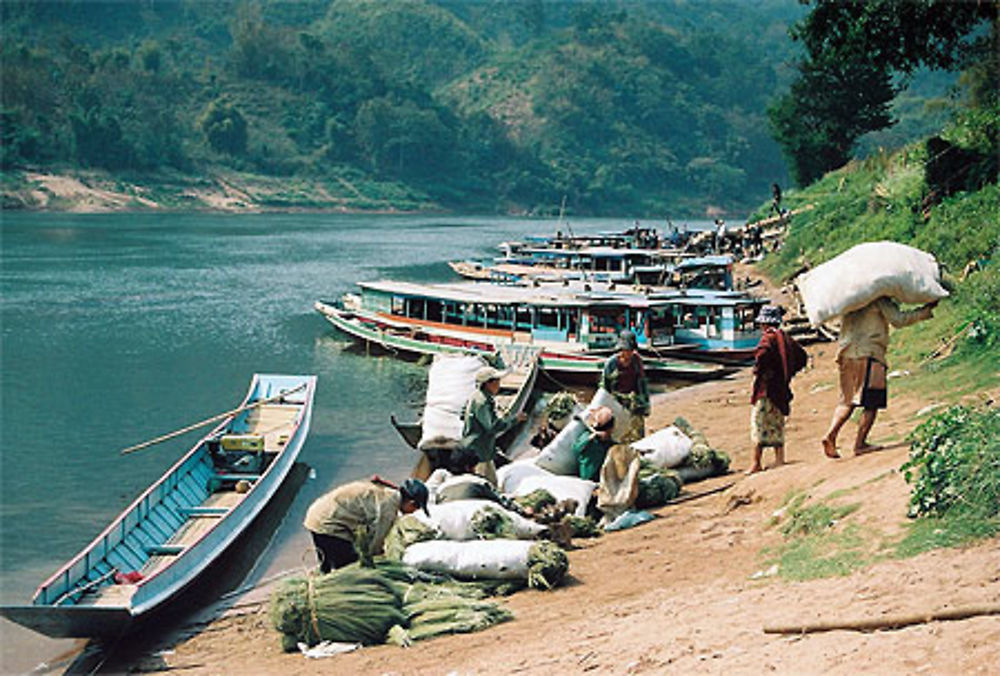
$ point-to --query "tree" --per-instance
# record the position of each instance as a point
(853, 52)
(224, 127)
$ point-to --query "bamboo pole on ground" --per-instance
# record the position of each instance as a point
(891, 622)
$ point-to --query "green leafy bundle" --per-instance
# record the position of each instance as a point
(954, 464)
(352, 605)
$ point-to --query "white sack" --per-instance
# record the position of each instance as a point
(668, 447)
(450, 383)
(623, 417)
(454, 519)
(476, 559)
(561, 488)
(558, 457)
(510, 476)
(866, 272)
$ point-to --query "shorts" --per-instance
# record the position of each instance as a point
(767, 424)
(863, 382)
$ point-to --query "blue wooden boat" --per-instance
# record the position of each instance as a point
(182, 523)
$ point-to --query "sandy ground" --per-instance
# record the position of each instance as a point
(692, 591)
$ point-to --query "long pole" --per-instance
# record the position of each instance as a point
(207, 421)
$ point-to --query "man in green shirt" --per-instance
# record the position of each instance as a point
(592, 447)
(482, 423)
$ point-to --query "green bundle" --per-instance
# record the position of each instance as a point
(492, 524)
(560, 406)
(547, 565)
(535, 501)
(582, 526)
(704, 461)
(448, 614)
(656, 486)
(350, 605)
(407, 530)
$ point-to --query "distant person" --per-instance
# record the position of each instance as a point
(483, 425)
(864, 339)
(592, 447)
(362, 512)
(776, 198)
(720, 235)
(624, 376)
(777, 358)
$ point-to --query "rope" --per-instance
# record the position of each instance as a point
(311, 601)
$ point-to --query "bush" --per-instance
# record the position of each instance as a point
(954, 464)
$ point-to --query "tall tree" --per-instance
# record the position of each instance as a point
(854, 50)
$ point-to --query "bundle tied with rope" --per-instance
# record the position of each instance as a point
(704, 460)
(388, 603)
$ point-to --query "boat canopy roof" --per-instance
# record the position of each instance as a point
(473, 292)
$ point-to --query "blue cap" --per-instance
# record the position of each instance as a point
(416, 490)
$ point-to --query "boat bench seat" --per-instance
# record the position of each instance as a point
(164, 550)
(204, 511)
(237, 477)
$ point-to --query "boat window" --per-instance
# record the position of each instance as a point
(660, 318)
(399, 305)
(523, 318)
(548, 317)
(417, 308)
(605, 322)
(435, 311)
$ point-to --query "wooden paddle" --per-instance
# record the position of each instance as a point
(207, 421)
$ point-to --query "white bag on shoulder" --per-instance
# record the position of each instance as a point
(866, 272)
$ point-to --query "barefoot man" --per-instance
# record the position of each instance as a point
(864, 338)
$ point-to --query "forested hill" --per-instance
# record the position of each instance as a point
(648, 108)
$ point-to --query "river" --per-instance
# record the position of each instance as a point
(117, 328)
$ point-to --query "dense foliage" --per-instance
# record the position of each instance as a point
(626, 106)
(859, 55)
(954, 464)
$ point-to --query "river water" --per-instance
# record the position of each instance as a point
(117, 328)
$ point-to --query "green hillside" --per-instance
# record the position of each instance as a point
(628, 107)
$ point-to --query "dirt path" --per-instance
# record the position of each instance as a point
(691, 591)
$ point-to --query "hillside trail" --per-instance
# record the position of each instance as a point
(692, 590)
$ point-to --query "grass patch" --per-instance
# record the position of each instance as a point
(938, 532)
(826, 554)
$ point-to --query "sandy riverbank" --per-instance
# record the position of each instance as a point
(693, 590)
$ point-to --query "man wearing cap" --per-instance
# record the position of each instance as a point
(359, 512)
(624, 376)
(777, 358)
(482, 423)
(592, 447)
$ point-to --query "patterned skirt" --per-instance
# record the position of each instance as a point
(767, 424)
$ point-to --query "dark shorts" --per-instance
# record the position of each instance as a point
(333, 552)
(863, 383)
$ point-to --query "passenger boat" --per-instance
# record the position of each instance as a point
(516, 386)
(182, 523)
(718, 327)
(574, 330)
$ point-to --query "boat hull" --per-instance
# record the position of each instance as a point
(179, 526)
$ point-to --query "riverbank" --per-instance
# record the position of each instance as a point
(693, 590)
(224, 191)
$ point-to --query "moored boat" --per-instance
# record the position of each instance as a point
(573, 331)
(182, 523)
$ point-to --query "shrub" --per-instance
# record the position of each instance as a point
(954, 464)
